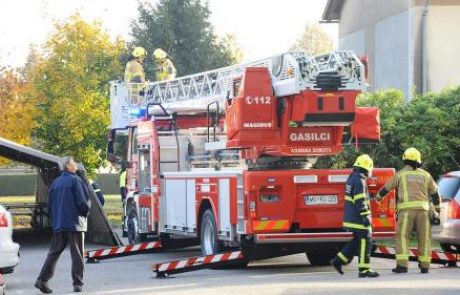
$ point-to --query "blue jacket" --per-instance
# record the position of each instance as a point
(68, 203)
(356, 203)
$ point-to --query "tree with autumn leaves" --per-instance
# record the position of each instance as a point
(17, 109)
(69, 85)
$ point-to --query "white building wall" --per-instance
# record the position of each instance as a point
(443, 47)
(393, 53)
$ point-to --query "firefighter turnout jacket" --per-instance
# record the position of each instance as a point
(357, 210)
(415, 188)
(165, 70)
(134, 72)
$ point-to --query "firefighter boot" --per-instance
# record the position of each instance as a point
(368, 273)
(337, 265)
(399, 269)
(423, 269)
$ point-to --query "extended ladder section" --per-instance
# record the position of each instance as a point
(290, 72)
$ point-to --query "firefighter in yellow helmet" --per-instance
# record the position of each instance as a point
(134, 71)
(415, 187)
(357, 219)
(135, 76)
(164, 68)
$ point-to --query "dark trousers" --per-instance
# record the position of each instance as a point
(123, 191)
(59, 242)
(360, 244)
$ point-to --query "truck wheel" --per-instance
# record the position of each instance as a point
(210, 244)
(133, 227)
(321, 257)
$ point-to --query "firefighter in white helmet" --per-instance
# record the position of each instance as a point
(164, 68)
(357, 219)
(415, 188)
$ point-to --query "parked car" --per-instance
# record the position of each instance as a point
(2, 285)
(9, 250)
(449, 190)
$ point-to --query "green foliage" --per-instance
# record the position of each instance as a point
(183, 30)
(430, 123)
(314, 40)
(69, 84)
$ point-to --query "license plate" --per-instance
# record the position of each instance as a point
(320, 200)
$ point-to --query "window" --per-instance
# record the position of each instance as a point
(134, 141)
(449, 187)
(144, 171)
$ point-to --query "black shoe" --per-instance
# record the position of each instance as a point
(43, 286)
(368, 273)
(77, 288)
(423, 269)
(399, 269)
(336, 264)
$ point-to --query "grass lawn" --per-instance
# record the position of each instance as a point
(21, 219)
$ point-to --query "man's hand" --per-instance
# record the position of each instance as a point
(434, 218)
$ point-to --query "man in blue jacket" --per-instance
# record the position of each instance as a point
(68, 207)
(357, 219)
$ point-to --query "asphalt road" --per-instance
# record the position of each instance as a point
(285, 275)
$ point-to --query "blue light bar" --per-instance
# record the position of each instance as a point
(138, 112)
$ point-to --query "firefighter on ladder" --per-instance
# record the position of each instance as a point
(415, 187)
(135, 75)
(357, 219)
(164, 68)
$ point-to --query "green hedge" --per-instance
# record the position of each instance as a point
(25, 184)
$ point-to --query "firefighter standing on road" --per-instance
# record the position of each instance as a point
(164, 68)
(415, 186)
(357, 219)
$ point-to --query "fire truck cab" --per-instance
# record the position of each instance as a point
(224, 158)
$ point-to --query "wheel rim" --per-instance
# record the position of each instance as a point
(209, 238)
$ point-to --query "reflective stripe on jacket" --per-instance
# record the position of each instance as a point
(414, 188)
(356, 203)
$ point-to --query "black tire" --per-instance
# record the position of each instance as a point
(321, 257)
(166, 241)
(133, 227)
(209, 241)
(450, 248)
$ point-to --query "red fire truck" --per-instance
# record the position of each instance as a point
(224, 158)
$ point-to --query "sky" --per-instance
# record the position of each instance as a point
(262, 27)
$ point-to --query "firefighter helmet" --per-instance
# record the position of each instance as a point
(159, 54)
(412, 154)
(139, 52)
(365, 162)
